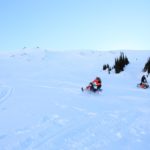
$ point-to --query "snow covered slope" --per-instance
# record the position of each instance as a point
(43, 108)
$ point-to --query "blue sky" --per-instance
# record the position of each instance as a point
(75, 24)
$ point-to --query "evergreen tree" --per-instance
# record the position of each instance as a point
(104, 67)
(147, 66)
(120, 63)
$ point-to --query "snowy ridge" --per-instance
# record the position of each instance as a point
(43, 108)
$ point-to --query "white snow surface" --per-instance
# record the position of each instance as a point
(42, 106)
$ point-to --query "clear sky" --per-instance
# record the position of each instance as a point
(75, 24)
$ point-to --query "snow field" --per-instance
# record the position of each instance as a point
(43, 108)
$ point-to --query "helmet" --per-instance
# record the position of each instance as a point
(98, 78)
(144, 76)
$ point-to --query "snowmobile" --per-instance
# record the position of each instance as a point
(90, 91)
(91, 88)
(143, 85)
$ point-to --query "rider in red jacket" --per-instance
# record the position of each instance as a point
(94, 85)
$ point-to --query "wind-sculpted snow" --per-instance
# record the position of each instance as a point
(42, 106)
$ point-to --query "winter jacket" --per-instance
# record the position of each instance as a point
(143, 79)
(96, 83)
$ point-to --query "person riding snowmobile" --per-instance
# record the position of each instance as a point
(95, 85)
(144, 83)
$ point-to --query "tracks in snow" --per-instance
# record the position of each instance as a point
(5, 92)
